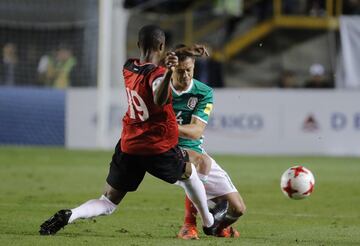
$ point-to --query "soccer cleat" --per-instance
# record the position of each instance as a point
(229, 232)
(188, 232)
(219, 212)
(59, 220)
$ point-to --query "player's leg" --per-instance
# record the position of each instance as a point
(203, 166)
(220, 188)
(236, 207)
(190, 212)
(105, 205)
(172, 168)
(235, 211)
(189, 230)
(123, 176)
(195, 190)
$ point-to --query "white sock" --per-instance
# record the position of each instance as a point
(93, 208)
(195, 190)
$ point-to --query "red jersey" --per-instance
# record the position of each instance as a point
(147, 128)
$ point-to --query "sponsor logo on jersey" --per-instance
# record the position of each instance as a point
(192, 102)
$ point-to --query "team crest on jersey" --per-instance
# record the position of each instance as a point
(192, 102)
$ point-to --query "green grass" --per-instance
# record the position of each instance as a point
(36, 182)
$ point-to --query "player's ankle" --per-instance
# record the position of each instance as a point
(190, 221)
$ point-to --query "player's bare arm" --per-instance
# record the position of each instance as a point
(196, 50)
(161, 91)
(194, 130)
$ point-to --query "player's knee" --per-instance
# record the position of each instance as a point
(242, 209)
(237, 209)
(188, 170)
(198, 161)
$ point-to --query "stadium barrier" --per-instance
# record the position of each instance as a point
(324, 122)
(32, 116)
(321, 122)
(82, 119)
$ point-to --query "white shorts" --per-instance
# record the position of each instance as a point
(218, 182)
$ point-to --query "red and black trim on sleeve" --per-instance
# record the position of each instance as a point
(143, 69)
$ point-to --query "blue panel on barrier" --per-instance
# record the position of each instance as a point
(32, 116)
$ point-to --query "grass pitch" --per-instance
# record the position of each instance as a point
(36, 182)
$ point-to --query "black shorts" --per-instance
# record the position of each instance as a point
(127, 171)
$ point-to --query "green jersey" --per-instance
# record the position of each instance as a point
(196, 101)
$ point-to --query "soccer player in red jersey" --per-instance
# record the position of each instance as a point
(148, 140)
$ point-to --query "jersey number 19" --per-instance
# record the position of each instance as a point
(137, 105)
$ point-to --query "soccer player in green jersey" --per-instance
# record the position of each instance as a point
(193, 103)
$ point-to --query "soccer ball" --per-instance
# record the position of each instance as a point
(297, 182)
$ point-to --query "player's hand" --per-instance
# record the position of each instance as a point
(171, 60)
(200, 50)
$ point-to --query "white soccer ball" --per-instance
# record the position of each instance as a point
(297, 182)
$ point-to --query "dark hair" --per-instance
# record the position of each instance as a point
(150, 37)
(183, 57)
(178, 46)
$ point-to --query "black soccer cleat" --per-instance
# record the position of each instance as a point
(59, 220)
(219, 212)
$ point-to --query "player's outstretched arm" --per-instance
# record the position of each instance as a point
(196, 50)
(162, 91)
